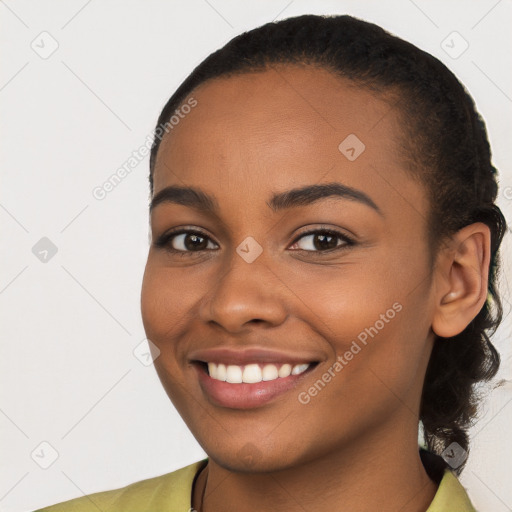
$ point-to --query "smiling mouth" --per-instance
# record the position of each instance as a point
(254, 372)
(251, 383)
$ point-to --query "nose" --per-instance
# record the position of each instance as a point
(245, 294)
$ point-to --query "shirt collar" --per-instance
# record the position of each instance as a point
(450, 496)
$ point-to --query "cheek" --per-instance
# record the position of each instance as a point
(164, 311)
(346, 300)
(372, 292)
(376, 320)
(165, 305)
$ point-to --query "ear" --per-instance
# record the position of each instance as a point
(462, 277)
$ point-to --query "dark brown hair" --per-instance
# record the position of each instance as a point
(444, 144)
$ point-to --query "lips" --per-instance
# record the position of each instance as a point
(244, 379)
(252, 355)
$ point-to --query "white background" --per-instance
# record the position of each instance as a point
(70, 325)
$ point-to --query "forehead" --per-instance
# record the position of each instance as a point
(286, 125)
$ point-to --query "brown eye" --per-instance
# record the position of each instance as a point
(190, 242)
(322, 241)
(184, 241)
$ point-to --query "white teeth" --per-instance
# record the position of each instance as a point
(270, 372)
(212, 370)
(221, 372)
(253, 373)
(285, 370)
(233, 374)
(299, 368)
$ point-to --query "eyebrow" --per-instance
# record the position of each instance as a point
(196, 198)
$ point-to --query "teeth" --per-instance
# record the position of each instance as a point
(233, 374)
(212, 370)
(253, 373)
(285, 370)
(221, 372)
(299, 368)
(270, 372)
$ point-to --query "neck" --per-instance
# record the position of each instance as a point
(384, 474)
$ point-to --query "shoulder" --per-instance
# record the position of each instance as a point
(451, 496)
(171, 492)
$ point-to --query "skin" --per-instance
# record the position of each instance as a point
(354, 445)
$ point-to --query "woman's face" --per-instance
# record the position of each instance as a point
(276, 273)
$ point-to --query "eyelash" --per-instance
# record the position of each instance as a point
(164, 241)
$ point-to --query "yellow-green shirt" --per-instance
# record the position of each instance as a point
(172, 492)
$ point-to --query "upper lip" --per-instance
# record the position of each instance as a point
(251, 355)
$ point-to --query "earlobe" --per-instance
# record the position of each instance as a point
(462, 279)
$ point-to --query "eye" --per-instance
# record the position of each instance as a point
(322, 240)
(182, 241)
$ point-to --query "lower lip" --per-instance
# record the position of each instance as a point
(244, 395)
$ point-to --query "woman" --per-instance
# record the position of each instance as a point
(322, 275)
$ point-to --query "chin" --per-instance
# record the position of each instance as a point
(251, 458)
